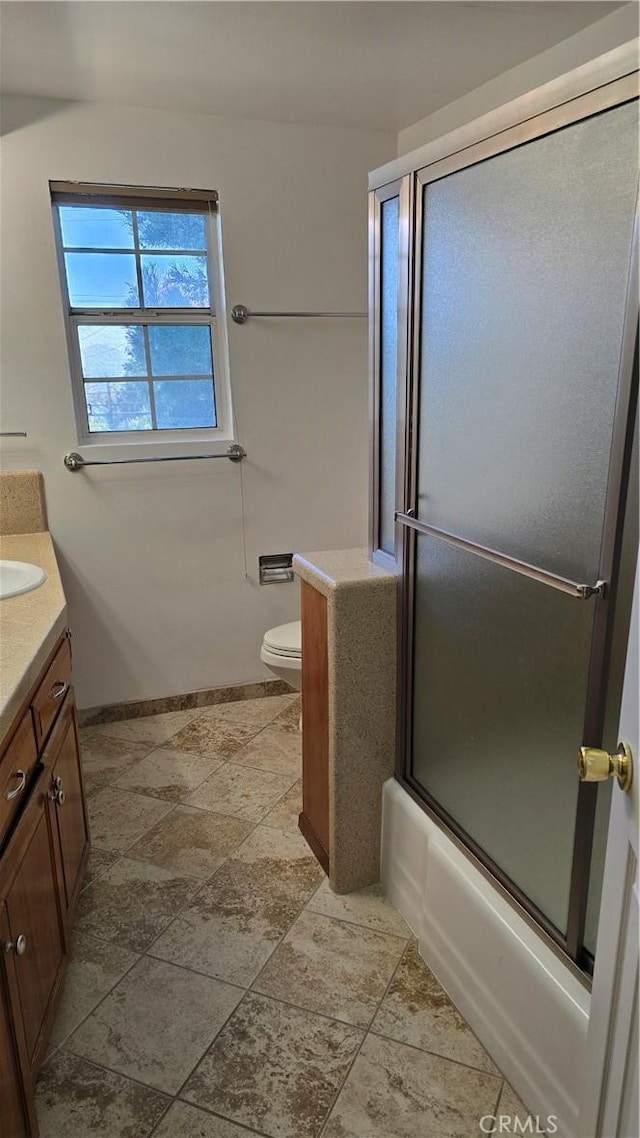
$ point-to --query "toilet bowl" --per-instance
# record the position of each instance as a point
(282, 652)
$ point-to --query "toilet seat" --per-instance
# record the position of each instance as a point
(285, 640)
(281, 651)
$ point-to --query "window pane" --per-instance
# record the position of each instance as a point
(184, 403)
(171, 231)
(95, 227)
(388, 372)
(101, 280)
(111, 349)
(174, 282)
(181, 350)
(118, 406)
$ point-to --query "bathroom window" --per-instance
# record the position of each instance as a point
(143, 293)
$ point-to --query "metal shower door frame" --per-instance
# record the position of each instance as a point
(603, 96)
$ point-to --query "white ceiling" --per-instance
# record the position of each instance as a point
(380, 65)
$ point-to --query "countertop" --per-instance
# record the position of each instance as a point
(332, 569)
(30, 624)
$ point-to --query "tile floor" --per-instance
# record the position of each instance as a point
(218, 989)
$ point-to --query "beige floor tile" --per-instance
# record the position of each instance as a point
(132, 902)
(286, 812)
(417, 1010)
(289, 719)
(250, 712)
(513, 1108)
(168, 774)
(194, 841)
(331, 967)
(394, 1091)
(117, 818)
(368, 907)
(273, 750)
(153, 730)
(240, 791)
(94, 969)
(274, 1068)
(218, 738)
(105, 759)
(156, 1024)
(99, 860)
(226, 932)
(185, 1121)
(75, 1099)
(275, 864)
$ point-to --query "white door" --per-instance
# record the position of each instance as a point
(609, 1107)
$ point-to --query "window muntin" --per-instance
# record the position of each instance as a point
(139, 283)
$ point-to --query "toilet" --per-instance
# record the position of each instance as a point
(282, 652)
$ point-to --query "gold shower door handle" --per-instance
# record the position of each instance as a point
(597, 766)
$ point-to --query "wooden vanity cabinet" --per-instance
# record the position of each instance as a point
(314, 819)
(45, 846)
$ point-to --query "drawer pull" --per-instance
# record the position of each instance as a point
(59, 689)
(19, 945)
(56, 794)
(11, 794)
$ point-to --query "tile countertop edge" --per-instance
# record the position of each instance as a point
(332, 569)
(30, 624)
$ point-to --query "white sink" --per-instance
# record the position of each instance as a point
(19, 577)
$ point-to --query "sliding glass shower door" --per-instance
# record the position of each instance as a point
(520, 433)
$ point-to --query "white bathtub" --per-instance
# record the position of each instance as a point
(525, 1005)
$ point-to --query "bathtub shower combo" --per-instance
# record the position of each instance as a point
(502, 344)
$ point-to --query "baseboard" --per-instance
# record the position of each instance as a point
(205, 697)
(523, 1002)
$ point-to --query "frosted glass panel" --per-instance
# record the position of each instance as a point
(388, 371)
(500, 670)
(525, 268)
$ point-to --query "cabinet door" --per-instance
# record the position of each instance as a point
(67, 799)
(36, 931)
(14, 1119)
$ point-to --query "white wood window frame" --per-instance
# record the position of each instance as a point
(139, 444)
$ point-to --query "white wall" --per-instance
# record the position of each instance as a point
(151, 556)
(603, 35)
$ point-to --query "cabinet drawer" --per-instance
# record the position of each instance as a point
(49, 697)
(16, 769)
